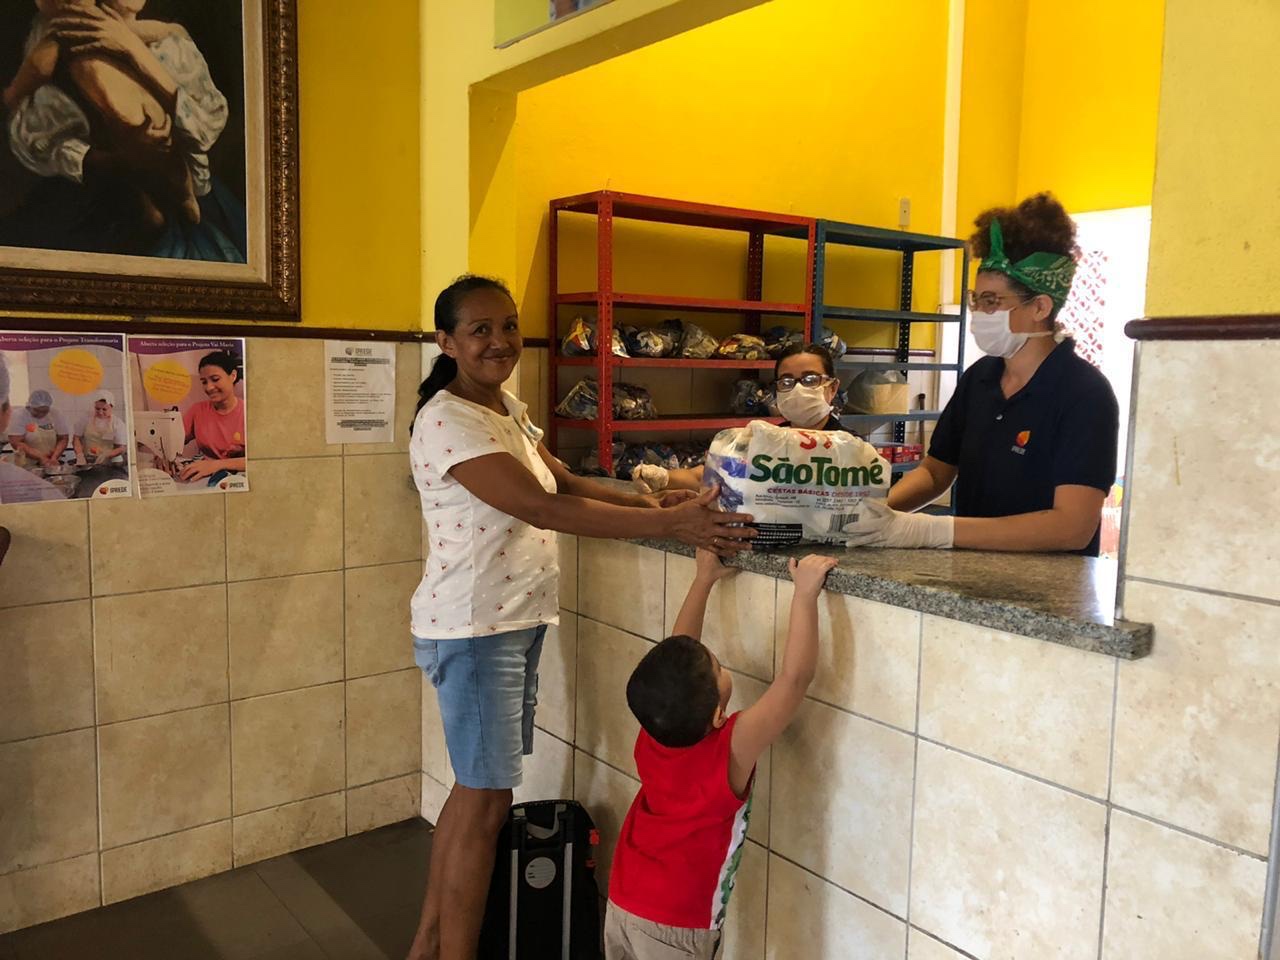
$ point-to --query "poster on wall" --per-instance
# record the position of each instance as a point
(189, 415)
(359, 392)
(66, 435)
(149, 157)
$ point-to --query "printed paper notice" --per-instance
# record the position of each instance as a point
(359, 392)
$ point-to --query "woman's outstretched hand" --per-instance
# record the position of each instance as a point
(695, 523)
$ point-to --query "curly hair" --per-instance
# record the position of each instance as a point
(1039, 224)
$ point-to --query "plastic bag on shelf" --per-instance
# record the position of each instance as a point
(749, 398)
(835, 346)
(582, 401)
(580, 341)
(648, 342)
(590, 463)
(778, 339)
(619, 346)
(632, 402)
(798, 484)
(697, 344)
(690, 455)
(877, 391)
(632, 457)
(742, 346)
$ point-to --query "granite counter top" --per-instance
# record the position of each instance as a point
(1056, 597)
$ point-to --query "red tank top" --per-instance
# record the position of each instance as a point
(679, 848)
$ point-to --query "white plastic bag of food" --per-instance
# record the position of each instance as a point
(800, 485)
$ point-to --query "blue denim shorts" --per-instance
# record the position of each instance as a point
(488, 689)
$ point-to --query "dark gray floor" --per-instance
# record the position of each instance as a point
(353, 899)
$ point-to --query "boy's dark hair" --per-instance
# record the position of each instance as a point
(673, 691)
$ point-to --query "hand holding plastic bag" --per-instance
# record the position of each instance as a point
(879, 525)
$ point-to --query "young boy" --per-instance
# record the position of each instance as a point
(680, 845)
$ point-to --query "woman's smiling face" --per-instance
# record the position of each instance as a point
(486, 341)
(219, 386)
(101, 409)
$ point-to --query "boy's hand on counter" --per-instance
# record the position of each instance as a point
(809, 573)
(710, 569)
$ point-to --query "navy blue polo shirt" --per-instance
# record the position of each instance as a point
(1011, 454)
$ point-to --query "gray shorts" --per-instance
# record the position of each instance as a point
(628, 937)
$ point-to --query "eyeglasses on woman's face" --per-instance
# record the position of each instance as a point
(989, 302)
(786, 382)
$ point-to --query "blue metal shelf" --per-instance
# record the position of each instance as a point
(877, 238)
(852, 418)
(886, 316)
(894, 365)
(907, 245)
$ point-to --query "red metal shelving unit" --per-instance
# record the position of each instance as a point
(608, 205)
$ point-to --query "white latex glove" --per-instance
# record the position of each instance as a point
(650, 478)
(879, 525)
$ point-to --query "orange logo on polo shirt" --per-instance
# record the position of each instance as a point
(1020, 442)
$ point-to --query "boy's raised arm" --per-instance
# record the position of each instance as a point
(763, 722)
(694, 609)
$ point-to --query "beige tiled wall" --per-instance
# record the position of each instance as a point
(194, 683)
(947, 791)
(1198, 722)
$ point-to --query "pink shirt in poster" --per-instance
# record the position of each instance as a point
(218, 435)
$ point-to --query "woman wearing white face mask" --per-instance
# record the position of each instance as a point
(805, 383)
(1029, 438)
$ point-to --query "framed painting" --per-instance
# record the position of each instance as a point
(149, 157)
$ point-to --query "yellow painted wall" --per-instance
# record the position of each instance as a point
(990, 106)
(1215, 245)
(801, 106)
(515, 18)
(359, 97)
(458, 59)
(1091, 90)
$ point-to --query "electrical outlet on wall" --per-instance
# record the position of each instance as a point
(904, 213)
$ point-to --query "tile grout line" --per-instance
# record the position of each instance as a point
(1106, 830)
(231, 765)
(831, 883)
(915, 777)
(1271, 891)
(1209, 591)
(768, 846)
(93, 673)
(346, 725)
(950, 946)
(1239, 851)
(202, 706)
(285, 906)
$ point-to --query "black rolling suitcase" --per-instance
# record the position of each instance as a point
(543, 901)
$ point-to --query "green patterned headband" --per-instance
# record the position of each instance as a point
(1047, 273)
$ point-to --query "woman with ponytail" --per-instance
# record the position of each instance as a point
(493, 498)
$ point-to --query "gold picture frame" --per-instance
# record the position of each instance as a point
(175, 254)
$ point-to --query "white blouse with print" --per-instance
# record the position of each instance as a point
(487, 572)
